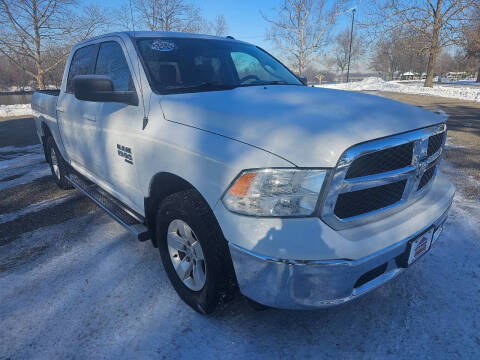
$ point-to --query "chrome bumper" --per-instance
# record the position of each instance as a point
(292, 284)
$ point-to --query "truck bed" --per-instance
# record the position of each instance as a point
(45, 102)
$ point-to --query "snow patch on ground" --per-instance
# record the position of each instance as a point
(12, 149)
(21, 176)
(444, 82)
(21, 161)
(15, 110)
(38, 206)
(21, 165)
(377, 84)
(450, 145)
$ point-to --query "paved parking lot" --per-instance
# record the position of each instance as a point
(74, 284)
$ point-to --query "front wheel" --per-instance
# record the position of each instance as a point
(194, 252)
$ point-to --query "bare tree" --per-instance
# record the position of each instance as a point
(28, 27)
(51, 58)
(437, 22)
(471, 36)
(398, 51)
(125, 18)
(342, 49)
(219, 26)
(169, 15)
(7, 74)
(10, 77)
(445, 63)
(301, 29)
(166, 15)
(386, 58)
(316, 75)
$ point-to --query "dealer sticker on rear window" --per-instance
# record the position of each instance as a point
(162, 45)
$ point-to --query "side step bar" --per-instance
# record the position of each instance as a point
(119, 212)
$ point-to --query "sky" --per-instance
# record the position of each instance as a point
(244, 18)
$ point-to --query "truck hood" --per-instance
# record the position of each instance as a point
(309, 127)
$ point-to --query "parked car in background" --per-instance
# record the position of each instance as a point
(241, 175)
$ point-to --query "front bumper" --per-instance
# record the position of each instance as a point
(304, 284)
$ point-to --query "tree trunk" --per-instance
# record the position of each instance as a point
(40, 76)
(432, 59)
(40, 80)
(301, 61)
(434, 48)
(478, 75)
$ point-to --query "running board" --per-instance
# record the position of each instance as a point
(121, 214)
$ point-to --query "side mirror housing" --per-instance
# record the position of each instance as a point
(99, 88)
(303, 79)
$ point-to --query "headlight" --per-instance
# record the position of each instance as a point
(275, 192)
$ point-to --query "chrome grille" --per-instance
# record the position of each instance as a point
(379, 177)
(363, 201)
(381, 161)
(427, 176)
(434, 143)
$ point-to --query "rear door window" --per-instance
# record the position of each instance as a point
(82, 63)
(112, 63)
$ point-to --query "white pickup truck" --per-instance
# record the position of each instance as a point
(241, 175)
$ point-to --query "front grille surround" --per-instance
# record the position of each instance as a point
(422, 162)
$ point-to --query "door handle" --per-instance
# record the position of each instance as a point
(89, 117)
(60, 109)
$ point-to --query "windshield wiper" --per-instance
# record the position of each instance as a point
(202, 86)
(277, 82)
(274, 82)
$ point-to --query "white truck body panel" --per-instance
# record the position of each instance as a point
(310, 127)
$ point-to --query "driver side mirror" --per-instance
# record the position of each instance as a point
(99, 88)
(303, 79)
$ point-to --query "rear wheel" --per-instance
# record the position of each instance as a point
(194, 252)
(58, 166)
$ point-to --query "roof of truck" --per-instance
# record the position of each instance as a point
(153, 34)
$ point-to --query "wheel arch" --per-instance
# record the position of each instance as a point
(162, 185)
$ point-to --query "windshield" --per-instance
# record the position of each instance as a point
(177, 65)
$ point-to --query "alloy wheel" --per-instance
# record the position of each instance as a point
(186, 254)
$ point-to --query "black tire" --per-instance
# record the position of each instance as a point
(59, 176)
(220, 282)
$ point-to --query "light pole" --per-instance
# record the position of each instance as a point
(350, 49)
